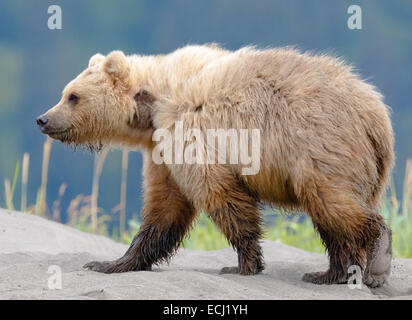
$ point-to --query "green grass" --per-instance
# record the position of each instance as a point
(294, 230)
(399, 218)
(287, 229)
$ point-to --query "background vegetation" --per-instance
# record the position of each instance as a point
(36, 63)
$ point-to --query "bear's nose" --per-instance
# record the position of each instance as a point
(42, 121)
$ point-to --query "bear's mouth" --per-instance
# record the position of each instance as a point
(49, 130)
(61, 135)
(53, 133)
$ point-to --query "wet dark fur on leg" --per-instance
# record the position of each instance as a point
(150, 246)
(240, 222)
(345, 250)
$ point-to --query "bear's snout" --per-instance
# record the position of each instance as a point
(42, 122)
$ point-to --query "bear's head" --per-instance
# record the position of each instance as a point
(101, 106)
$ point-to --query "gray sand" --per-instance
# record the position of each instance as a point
(29, 245)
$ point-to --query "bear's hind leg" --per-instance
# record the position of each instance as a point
(343, 252)
(347, 229)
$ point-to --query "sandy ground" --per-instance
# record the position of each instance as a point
(30, 245)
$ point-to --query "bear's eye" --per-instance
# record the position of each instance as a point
(73, 98)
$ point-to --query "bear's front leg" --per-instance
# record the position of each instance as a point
(167, 216)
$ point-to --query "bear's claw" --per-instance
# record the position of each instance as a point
(104, 266)
(322, 277)
(315, 277)
(124, 264)
(229, 270)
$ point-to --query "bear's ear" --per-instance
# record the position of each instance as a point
(116, 65)
(96, 59)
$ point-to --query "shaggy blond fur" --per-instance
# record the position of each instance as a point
(326, 147)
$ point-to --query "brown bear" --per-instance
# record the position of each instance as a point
(326, 148)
